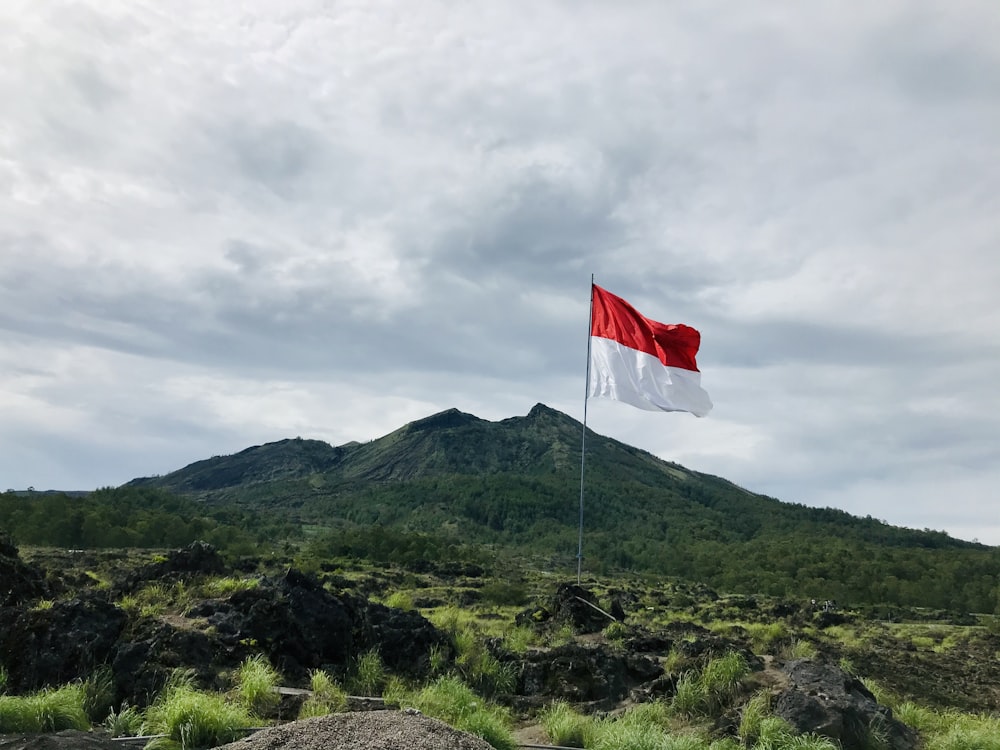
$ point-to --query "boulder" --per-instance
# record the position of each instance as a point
(575, 605)
(580, 673)
(67, 641)
(825, 700)
(19, 582)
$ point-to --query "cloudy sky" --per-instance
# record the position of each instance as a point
(225, 223)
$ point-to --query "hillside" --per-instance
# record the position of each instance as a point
(513, 485)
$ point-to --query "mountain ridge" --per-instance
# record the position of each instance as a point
(544, 444)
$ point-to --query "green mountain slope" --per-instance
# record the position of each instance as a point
(514, 484)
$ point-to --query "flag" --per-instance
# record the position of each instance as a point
(641, 362)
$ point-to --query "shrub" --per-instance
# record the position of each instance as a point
(503, 593)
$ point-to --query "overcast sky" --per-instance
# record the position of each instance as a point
(226, 223)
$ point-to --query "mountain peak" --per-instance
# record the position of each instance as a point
(449, 418)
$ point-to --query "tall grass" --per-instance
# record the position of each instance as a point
(99, 694)
(452, 701)
(125, 722)
(479, 668)
(257, 683)
(228, 585)
(192, 718)
(711, 688)
(49, 710)
(367, 674)
(950, 730)
(565, 726)
(327, 697)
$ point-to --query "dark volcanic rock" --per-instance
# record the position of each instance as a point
(577, 606)
(198, 558)
(580, 673)
(824, 699)
(52, 646)
(19, 582)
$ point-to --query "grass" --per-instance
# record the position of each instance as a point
(228, 585)
(564, 725)
(49, 710)
(327, 697)
(99, 694)
(714, 686)
(453, 702)
(400, 600)
(125, 722)
(951, 730)
(766, 638)
(193, 718)
(256, 681)
(367, 674)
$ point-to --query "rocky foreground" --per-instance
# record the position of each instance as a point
(369, 730)
(59, 623)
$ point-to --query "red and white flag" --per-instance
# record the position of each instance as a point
(641, 362)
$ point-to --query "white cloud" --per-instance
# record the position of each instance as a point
(227, 222)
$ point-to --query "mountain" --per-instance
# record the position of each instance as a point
(514, 484)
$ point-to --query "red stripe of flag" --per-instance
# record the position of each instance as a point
(613, 318)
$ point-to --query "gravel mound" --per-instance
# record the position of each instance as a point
(363, 730)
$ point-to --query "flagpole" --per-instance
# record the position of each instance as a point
(583, 439)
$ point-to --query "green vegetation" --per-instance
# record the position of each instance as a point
(368, 674)
(706, 691)
(44, 711)
(452, 701)
(327, 697)
(192, 718)
(256, 681)
(474, 661)
(135, 517)
(564, 725)
(453, 488)
(126, 722)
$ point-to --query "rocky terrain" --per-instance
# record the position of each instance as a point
(65, 614)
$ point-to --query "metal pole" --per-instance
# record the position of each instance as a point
(583, 440)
